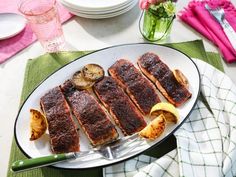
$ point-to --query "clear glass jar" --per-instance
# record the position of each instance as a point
(156, 28)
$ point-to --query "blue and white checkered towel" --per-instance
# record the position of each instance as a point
(206, 142)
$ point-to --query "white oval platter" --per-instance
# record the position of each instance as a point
(105, 58)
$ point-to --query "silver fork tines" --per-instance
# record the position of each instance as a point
(114, 150)
(219, 14)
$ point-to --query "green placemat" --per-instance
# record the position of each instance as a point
(39, 68)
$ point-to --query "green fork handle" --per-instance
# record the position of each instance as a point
(27, 164)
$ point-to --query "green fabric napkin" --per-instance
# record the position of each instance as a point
(41, 67)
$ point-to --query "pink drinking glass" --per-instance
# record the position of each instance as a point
(44, 20)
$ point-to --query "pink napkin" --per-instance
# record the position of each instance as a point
(11, 46)
(200, 19)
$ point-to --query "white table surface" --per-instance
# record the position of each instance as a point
(80, 34)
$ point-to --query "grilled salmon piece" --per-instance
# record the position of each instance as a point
(90, 115)
(62, 130)
(122, 109)
(140, 90)
(160, 74)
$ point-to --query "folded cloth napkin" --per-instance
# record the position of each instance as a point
(200, 19)
(206, 142)
(11, 46)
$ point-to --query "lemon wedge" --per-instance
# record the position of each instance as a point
(38, 124)
(154, 129)
(169, 111)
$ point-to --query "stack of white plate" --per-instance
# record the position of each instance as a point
(98, 9)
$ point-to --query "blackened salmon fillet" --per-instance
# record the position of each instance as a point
(140, 90)
(62, 130)
(160, 74)
(90, 115)
(122, 109)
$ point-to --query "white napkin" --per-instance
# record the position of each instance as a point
(206, 142)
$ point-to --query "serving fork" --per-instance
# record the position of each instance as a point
(113, 150)
(219, 14)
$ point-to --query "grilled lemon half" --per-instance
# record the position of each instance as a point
(93, 72)
(80, 82)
